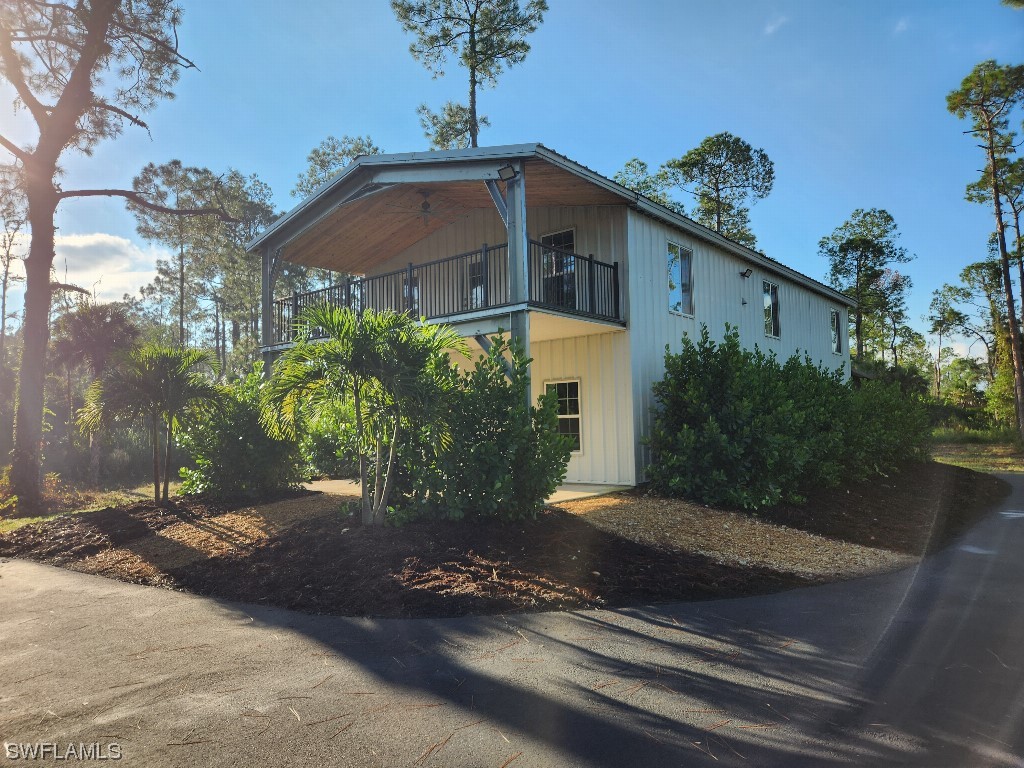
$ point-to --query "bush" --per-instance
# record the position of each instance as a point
(496, 456)
(884, 429)
(327, 444)
(736, 427)
(233, 454)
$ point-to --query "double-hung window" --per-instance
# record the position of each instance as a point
(568, 394)
(835, 320)
(680, 285)
(771, 309)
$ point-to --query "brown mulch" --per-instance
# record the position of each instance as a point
(626, 548)
(915, 512)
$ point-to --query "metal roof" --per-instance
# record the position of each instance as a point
(289, 222)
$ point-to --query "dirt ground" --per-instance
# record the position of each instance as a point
(305, 552)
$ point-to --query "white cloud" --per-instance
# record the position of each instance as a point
(107, 265)
(773, 26)
(901, 26)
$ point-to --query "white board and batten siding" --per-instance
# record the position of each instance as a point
(599, 362)
(600, 230)
(601, 365)
(719, 292)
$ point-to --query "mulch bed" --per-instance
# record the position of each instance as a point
(326, 564)
(915, 512)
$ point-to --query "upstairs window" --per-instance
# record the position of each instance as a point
(771, 309)
(680, 287)
(835, 320)
(568, 393)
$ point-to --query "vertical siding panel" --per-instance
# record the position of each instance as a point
(719, 291)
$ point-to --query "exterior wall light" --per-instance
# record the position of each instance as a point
(507, 173)
(745, 273)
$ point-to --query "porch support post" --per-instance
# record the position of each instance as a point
(518, 259)
(267, 308)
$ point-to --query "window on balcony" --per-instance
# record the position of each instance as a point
(559, 269)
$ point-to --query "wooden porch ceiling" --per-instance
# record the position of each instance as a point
(374, 229)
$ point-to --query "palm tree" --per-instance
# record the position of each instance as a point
(156, 385)
(389, 364)
(91, 334)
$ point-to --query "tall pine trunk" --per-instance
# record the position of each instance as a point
(1016, 349)
(474, 126)
(26, 459)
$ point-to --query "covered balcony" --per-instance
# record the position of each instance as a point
(447, 236)
(447, 289)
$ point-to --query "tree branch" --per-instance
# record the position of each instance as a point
(139, 200)
(16, 77)
(13, 148)
(133, 119)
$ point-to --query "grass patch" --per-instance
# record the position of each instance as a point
(990, 436)
(994, 457)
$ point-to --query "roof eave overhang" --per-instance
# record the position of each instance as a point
(360, 176)
(368, 170)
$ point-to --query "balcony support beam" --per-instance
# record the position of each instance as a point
(499, 200)
(518, 259)
(267, 307)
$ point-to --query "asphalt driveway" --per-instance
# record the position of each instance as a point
(920, 667)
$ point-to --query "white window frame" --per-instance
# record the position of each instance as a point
(668, 276)
(836, 316)
(579, 401)
(766, 288)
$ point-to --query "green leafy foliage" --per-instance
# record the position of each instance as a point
(502, 458)
(737, 427)
(726, 175)
(392, 368)
(328, 158)
(156, 386)
(327, 443)
(484, 36)
(883, 429)
(233, 453)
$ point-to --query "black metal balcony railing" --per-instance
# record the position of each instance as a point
(469, 282)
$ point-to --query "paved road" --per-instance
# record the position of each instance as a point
(922, 667)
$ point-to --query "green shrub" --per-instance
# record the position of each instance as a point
(736, 427)
(327, 444)
(233, 454)
(883, 430)
(492, 455)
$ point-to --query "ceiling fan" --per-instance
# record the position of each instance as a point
(424, 209)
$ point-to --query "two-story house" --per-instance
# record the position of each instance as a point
(592, 277)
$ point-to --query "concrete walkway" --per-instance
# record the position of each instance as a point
(921, 667)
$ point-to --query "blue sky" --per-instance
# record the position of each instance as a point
(847, 98)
